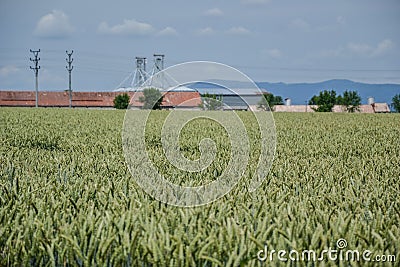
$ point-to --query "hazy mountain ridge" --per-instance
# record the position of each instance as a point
(301, 92)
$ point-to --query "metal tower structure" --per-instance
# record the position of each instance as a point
(158, 63)
(158, 80)
(140, 76)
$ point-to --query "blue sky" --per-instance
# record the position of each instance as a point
(269, 40)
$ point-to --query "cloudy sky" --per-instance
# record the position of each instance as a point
(269, 40)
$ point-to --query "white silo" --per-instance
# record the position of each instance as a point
(288, 101)
(371, 100)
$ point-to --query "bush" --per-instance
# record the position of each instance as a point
(351, 100)
(396, 103)
(211, 102)
(269, 101)
(325, 101)
(121, 101)
(152, 98)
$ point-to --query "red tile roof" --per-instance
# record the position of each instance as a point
(91, 99)
(366, 109)
(172, 99)
(381, 107)
(294, 108)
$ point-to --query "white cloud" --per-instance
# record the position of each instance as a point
(330, 53)
(214, 12)
(384, 46)
(7, 70)
(255, 2)
(238, 31)
(168, 31)
(368, 50)
(359, 48)
(48, 78)
(300, 24)
(206, 31)
(341, 20)
(272, 53)
(128, 27)
(54, 25)
(305, 26)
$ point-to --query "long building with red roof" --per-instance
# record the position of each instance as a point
(171, 99)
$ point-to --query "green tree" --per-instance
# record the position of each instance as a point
(396, 103)
(210, 102)
(314, 100)
(325, 101)
(271, 100)
(351, 100)
(151, 99)
(121, 101)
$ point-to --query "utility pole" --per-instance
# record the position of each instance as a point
(70, 68)
(36, 69)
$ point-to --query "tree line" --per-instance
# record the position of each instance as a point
(151, 99)
(327, 99)
(324, 101)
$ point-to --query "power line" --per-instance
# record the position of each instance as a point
(313, 69)
(36, 69)
(69, 68)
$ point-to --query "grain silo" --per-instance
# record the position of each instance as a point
(371, 100)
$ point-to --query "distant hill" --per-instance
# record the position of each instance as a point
(301, 92)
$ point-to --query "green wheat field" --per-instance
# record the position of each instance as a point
(68, 199)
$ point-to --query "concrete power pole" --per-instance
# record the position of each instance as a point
(69, 68)
(36, 69)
